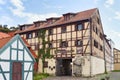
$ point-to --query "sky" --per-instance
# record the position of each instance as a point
(15, 12)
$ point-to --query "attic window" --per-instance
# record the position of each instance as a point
(68, 16)
(37, 24)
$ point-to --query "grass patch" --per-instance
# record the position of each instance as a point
(116, 71)
(40, 76)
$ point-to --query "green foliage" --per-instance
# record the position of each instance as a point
(40, 76)
(116, 71)
(6, 30)
(44, 52)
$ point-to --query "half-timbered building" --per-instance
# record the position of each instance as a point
(76, 42)
(16, 60)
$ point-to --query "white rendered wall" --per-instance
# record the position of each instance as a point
(5, 54)
(97, 65)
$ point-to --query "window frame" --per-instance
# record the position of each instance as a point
(81, 43)
(50, 31)
(77, 27)
(63, 29)
(64, 44)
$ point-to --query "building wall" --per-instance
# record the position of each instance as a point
(90, 35)
(14, 51)
(97, 65)
(116, 59)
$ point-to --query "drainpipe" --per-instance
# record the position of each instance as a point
(104, 36)
(90, 47)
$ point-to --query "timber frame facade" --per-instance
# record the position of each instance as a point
(75, 38)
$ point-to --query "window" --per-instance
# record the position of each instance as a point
(79, 27)
(37, 24)
(96, 44)
(78, 43)
(98, 21)
(63, 29)
(50, 31)
(29, 36)
(101, 36)
(36, 34)
(64, 44)
(36, 46)
(101, 48)
(45, 64)
(67, 17)
(50, 45)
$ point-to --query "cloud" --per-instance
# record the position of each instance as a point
(19, 11)
(6, 20)
(108, 3)
(18, 4)
(117, 15)
(2, 1)
(95, 1)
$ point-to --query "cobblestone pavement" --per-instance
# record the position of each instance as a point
(68, 78)
(115, 76)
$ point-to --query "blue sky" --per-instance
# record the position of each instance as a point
(14, 12)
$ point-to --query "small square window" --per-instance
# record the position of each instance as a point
(50, 45)
(50, 31)
(79, 27)
(64, 44)
(79, 43)
(29, 36)
(96, 44)
(45, 64)
(63, 29)
(36, 34)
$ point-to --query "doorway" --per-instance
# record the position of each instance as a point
(17, 71)
(63, 67)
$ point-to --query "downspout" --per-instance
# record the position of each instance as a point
(104, 53)
(90, 47)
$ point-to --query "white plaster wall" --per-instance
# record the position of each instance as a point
(27, 57)
(30, 76)
(20, 55)
(26, 66)
(1, 77)
(51, 64)
(40, 66)
(86, 66)
(5, 66)
(14, 44)
(5, 54)
(97, 65)
(14, 54)
(20, 45)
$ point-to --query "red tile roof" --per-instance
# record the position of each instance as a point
(3, 35)
(5, 40)
(78, 17)
(11, 33)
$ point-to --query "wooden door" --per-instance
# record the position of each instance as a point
(17, 71)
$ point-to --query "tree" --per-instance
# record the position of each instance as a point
(43, 52)
(14, 28)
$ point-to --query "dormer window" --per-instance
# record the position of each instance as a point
(39, 23)
(68, 16)
(52, 20)
(25, 26)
